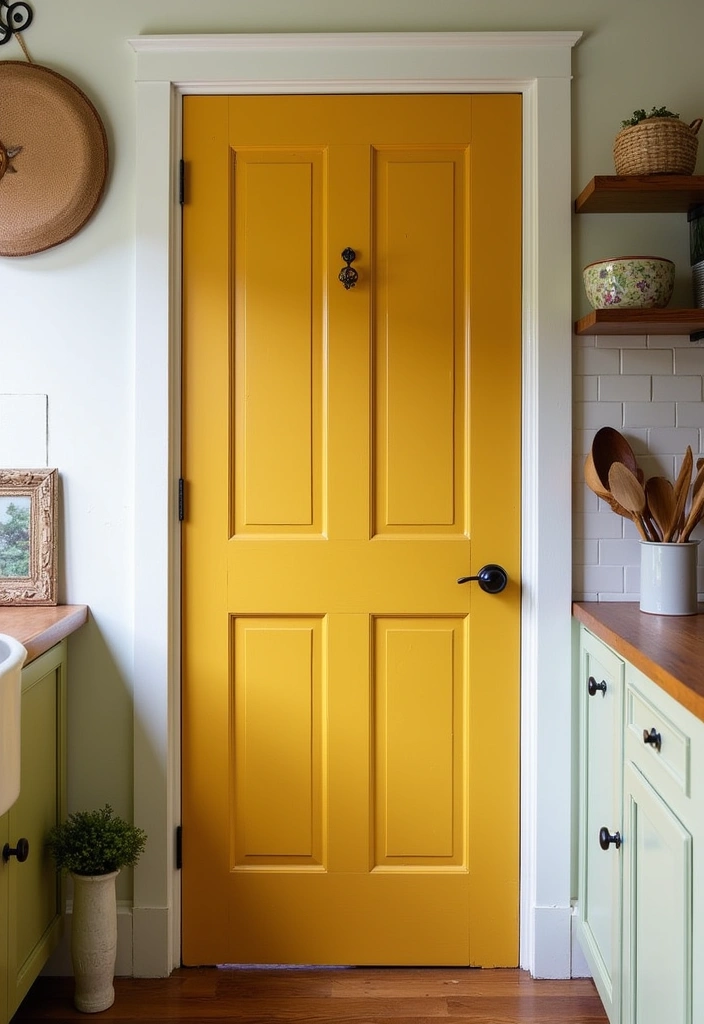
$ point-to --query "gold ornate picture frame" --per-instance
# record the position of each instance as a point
(28, 528)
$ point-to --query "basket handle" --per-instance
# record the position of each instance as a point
(696, 125)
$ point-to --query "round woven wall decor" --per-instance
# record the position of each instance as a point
(53, 158)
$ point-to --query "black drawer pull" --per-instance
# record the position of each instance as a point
(653, 738)
(593, 687)
(21, 851)
(606, 839)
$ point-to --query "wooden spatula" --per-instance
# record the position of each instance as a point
(681, 490)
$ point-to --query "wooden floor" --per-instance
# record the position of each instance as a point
(347, 995)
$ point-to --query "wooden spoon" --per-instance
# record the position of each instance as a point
(629, 493)
(681, 490)
(660, 497)
(610, 446)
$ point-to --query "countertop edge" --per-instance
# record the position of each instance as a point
(40, 637)
(671, 684)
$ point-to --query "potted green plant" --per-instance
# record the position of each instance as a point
(93, 846)
(657, 142)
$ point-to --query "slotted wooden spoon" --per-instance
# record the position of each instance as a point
(628, 492)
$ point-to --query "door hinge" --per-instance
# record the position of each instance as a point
(181, 499)
(182, 182)
(179, 847)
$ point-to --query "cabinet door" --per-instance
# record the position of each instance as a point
(599, 929)
(657, 932)
(4, 835)
(35, 902)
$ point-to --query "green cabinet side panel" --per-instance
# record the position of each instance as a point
(31, 893)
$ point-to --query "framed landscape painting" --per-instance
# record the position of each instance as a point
(28, 525)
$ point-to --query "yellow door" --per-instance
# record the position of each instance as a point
(350, 714)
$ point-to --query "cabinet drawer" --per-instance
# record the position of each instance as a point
(666, 754)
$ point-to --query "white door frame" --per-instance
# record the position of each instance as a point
(538, 66)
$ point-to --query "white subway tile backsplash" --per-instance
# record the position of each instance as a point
(650, 389)
(632, 580)
(638, 439)
(646, 361)
(657, 465)
(595, 525)
(672, 442)
(589, 361)
(624, 388)
(677, 389)
(586, 389)
(689, 360)
(602, 578)
(690, 414)
(649, 414)
(668, 341)
(582, 442)
(621, 341)
(619, 552)
(583, 500)
(588, 415)
(585, 552)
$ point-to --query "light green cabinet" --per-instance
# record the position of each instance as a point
(601, 683)
(31, 897)
(641, 844)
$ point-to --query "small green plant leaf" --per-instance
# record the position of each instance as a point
(95, 842)
(640, 115)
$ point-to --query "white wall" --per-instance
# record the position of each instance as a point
(67, 324)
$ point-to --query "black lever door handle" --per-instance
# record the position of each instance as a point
(491, 578)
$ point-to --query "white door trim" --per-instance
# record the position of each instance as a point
(537, 65)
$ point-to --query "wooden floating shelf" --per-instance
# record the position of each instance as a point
(641, 321)
(650, 193)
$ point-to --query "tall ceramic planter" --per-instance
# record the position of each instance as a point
(94, 941)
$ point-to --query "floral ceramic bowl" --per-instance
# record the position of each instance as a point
(630, 282)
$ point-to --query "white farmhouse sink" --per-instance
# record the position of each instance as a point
(12, 655)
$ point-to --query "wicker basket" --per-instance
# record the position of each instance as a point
(657, 145)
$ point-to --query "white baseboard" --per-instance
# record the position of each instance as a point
(151, 942)
(553, 942)
(59, 963)
(580, 967)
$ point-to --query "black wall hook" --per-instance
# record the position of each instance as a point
(14, 17)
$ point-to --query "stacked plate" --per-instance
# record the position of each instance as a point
(698, 284)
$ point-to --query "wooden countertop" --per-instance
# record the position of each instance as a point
(38, 629)
(669, 649)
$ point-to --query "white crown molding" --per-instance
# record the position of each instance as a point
(354, 62)
(352, 41)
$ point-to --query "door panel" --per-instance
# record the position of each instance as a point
(351, 714)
